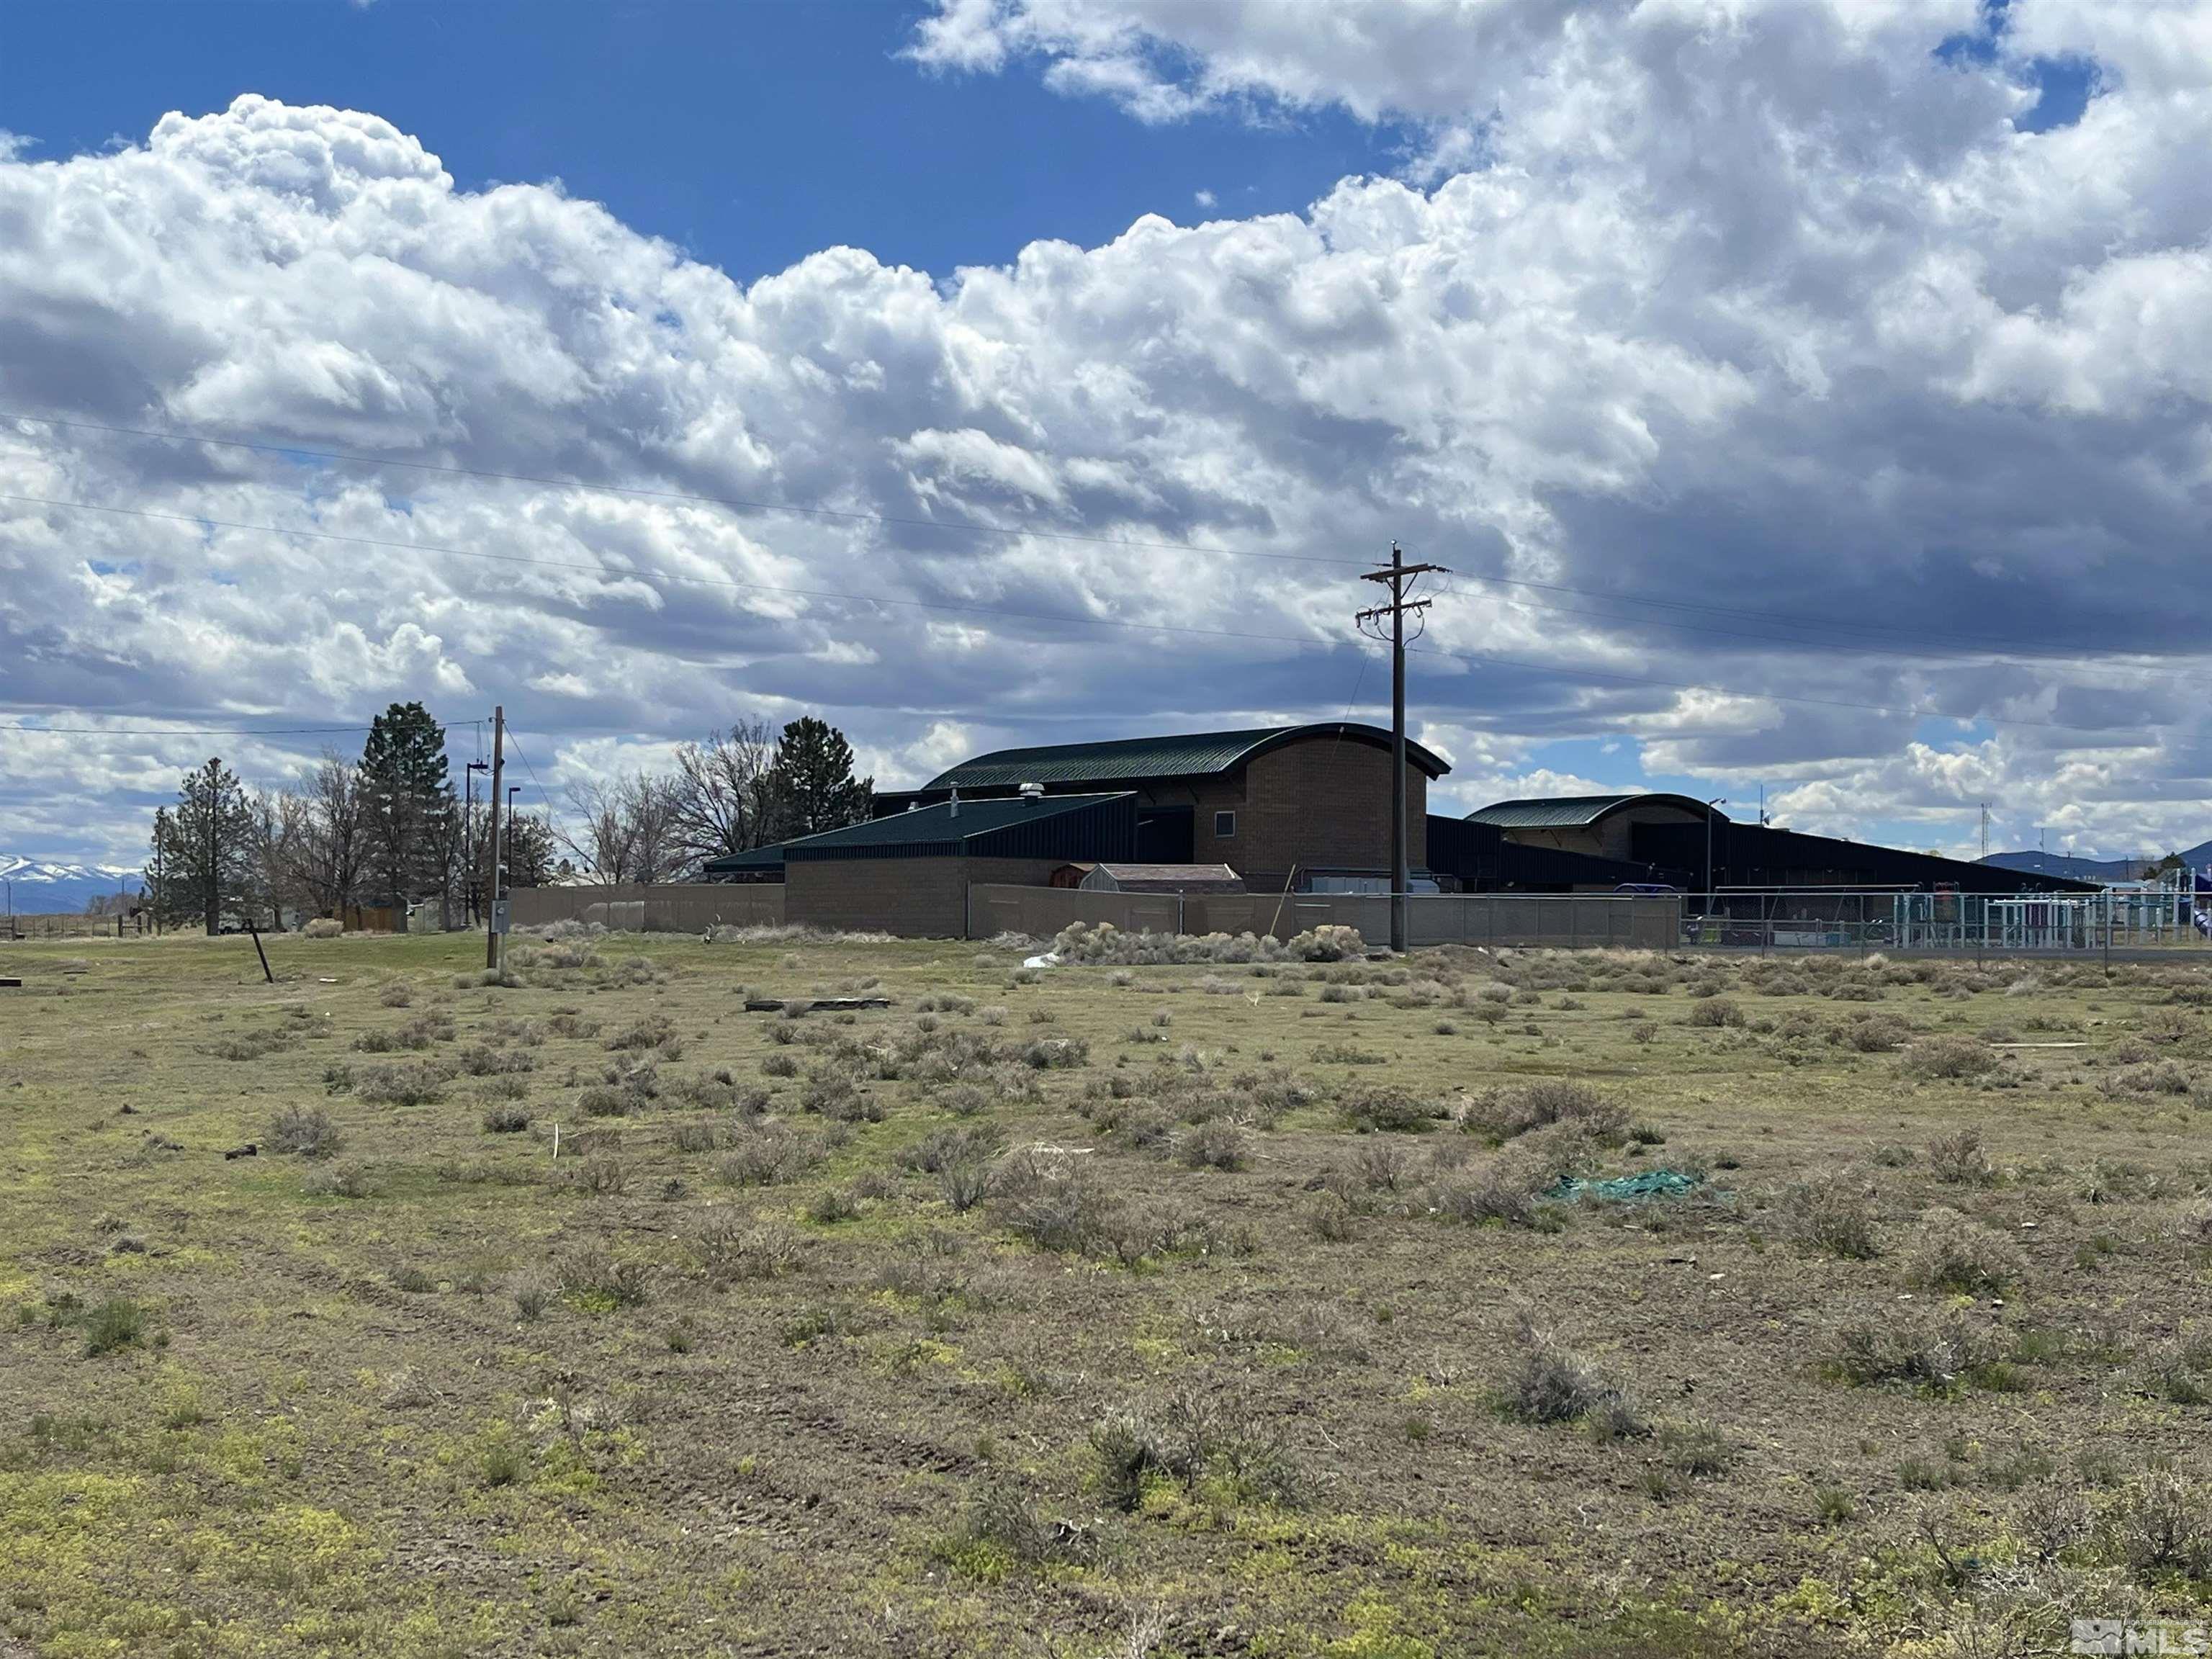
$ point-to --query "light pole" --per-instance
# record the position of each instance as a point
(11, 906)
(469, 837)
(1717, 800)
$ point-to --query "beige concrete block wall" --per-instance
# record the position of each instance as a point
(914, 898)
(675, 907)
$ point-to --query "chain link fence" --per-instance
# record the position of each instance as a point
(1773, 920)
(27, 928)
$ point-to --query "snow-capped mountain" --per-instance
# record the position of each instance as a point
(62, 889)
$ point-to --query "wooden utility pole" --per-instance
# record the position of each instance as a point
(1399, 575)
(491, 888)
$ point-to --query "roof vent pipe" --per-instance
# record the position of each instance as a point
(956, 802)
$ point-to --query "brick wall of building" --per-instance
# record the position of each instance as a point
(1320, 803)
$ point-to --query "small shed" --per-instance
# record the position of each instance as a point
(1162, 878)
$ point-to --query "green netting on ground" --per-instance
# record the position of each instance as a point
(1651, 1183)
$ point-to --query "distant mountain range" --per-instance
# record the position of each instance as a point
(2058, 864)
(62, 889)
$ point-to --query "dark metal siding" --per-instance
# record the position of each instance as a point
(1468, 851)
(1164, 835)
(1104, 832)
(1752, 855)
(1485, 859)
(1522, 865)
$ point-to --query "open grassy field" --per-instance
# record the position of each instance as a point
(1204, 1310)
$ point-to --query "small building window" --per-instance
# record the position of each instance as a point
(1225, 825)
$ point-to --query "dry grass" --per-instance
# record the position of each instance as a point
(967, 1325)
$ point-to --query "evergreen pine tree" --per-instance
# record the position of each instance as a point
(408, 793)
(204, 848)
(812, 781)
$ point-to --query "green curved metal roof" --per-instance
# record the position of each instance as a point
(1130, 760)
(1575, 812)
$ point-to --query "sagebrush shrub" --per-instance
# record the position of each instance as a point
(303, 1132)
(1217, 1144)
(1104, 945)
(1549, 1382)
(1833, 1212)
(728, 1247)
(654, 1031)
(1948, 1056)
(338, 1181)
(1935, 1347)
(593, 1276)
(1546, 1102)
(769, 1155)
(1390, 1108)
(694, 1137)
(1056, 1202)
(1193, 1439)
(1960, 1159)
(2159, 1521)
(1501, 1192)
(404, 1082)
(1951, 1253)
(603, 1177)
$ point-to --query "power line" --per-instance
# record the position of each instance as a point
(533, 770)
(192, 731)
(963, 526)
(1062, 618)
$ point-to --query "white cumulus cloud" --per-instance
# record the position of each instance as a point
(1776, 400)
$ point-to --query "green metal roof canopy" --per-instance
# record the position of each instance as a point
(1577, 811)
(1133, 760)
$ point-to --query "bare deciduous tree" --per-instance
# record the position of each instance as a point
(623, 829)
(721, 798)
(324, 833)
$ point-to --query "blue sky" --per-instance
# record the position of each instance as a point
(751, 134)
(1691, 333)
